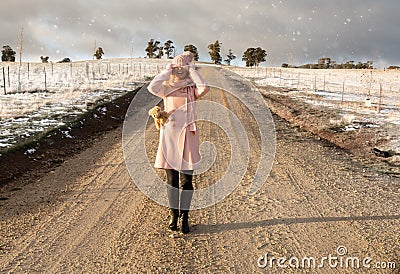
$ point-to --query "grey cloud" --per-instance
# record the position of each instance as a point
(356, 30)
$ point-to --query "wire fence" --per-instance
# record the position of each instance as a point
(376, 88)
(373, 88)
(100, 74)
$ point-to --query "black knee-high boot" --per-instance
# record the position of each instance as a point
(173, 197)
(185, 199)
(174, 211)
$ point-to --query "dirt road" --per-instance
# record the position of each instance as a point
(88, 216)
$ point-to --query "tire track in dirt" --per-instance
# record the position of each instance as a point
(316, 199)
(352, 235)
(218, 138)
(63, 231)
(348, 223)
(68, 208)
(98, 227)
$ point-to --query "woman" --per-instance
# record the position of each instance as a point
(178, 150)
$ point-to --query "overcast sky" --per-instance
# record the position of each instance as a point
(357, 30)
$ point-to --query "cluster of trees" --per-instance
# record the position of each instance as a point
(252, 56)
(154, 49)
(8, 55)
(328, 63)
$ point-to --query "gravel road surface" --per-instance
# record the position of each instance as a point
(88, 216)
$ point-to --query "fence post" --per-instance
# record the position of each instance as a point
(45, 79)
(298, 80)
(315, 82)
(4, 81)
(343, 91)
(28, 71)
(380, 97)
(8, 76)
(370, 84)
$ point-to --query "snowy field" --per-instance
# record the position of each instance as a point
(361, 98)
(372, 94)
(37, 97)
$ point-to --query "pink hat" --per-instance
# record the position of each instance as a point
(183, 59)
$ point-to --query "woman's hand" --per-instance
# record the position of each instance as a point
(169, 67)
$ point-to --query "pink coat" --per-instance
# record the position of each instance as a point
(178, 147)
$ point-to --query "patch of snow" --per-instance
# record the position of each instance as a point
(30, 151)
(364, 98)
(70, 90)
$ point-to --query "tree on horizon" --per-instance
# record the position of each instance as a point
(254, 56)
(44, 59)
(152, 48)
(192, 49)
(260, 55)
(99, 53)
(215, 49)
(229, 57)
(160, 52)
(169, 49)
(8, 54)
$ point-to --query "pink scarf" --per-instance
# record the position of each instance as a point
(188, 86)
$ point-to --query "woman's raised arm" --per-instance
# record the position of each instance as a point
(156, 86)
